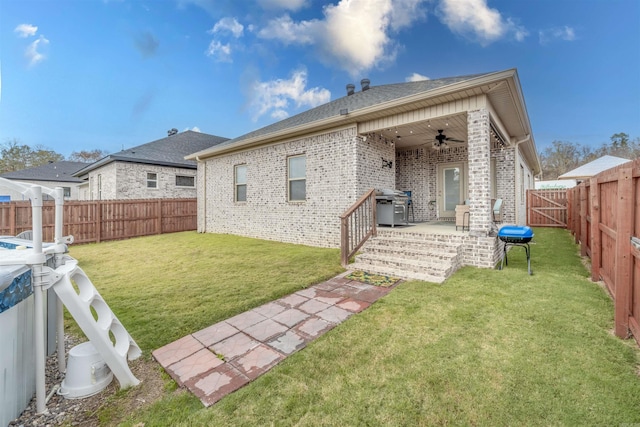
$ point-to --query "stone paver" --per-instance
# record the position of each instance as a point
(253, 342)
(190, 367)
(177, 350)
(235, 346)
(215, 333)
(334, 314)
(257, 361)
(288, 343)
(313, 306)
(291, 317)
(265, 330)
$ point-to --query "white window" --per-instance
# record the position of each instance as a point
(297, 180)
(152, 180)
(99, 187)
(67, 191)
(240, 182)
(185, 181)
(521, 182)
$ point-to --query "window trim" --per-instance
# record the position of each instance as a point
(237, 185)
(66, 191)
(152, 180)
(290, 180)
(193, 178)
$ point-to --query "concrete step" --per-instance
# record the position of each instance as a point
(410, 264)
(402, 274)
(443, 255)
(412, 244)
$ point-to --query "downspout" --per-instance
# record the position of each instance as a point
(204, 194)
(526, 138)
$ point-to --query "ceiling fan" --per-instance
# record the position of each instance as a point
(441, 139)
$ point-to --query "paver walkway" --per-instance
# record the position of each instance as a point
(220, 359)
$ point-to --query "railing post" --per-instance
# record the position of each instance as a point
(623, 275)
(344, 241)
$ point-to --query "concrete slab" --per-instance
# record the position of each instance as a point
(177, 350)
(215, 333)
(307, 293)
(328, 297)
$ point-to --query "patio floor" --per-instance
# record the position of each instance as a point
(428, 227)
(220, 359)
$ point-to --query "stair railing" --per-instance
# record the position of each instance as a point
(357, 224)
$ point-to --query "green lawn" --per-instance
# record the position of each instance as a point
(487, 347)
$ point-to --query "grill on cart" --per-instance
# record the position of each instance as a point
(516, 236)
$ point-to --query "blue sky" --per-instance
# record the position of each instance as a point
(111, 74)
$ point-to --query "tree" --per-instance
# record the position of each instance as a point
(87, 156)
(561, 157)
(16, 156)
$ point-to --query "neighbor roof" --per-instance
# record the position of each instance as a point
(594, 168)
(375, 95)
(169, 151)
(54, 171)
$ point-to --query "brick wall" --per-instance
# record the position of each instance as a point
(123, 180)
(340, 166)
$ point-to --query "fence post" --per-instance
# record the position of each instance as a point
(12, 220)
(623, 275)
(98, 221)
(159, 226)
(583, 220)
(595, 230)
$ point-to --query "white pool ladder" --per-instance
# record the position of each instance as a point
(106, 333)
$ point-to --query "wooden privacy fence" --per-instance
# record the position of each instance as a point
(604, 216)
(547, 208)
(102, 220)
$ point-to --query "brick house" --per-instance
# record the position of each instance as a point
(291, 181)
(153, 170)
(50, 175)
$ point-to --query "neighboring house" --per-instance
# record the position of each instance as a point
(593, 168)
(291, 180)
(154, 170)
(51, 175)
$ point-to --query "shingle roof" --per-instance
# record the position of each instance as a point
(169, 151)
(373, 96)
(55, 171)
(594, 168)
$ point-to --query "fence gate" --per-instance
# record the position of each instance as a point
(547, 208)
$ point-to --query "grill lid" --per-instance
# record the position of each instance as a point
(522, 232)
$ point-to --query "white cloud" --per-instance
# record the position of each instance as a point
(283, 4)
(476, 19)
(220, 52)
(276, 96)
(26, 30)
(32, 53)
(415, 77)
(228, 25)
(354, 34)
(565, 33)
(195, 129)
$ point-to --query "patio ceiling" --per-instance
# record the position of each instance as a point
(423, 133)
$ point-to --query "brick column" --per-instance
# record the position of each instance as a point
(479, 173)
